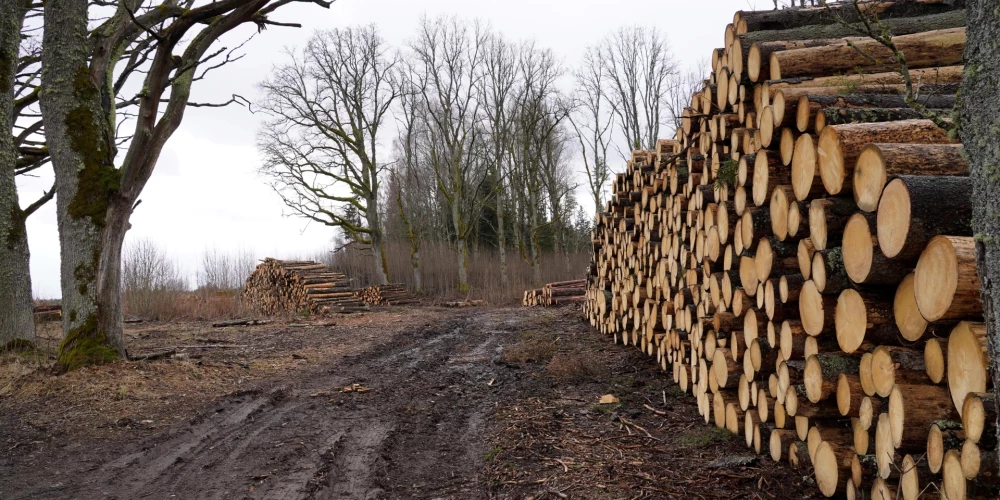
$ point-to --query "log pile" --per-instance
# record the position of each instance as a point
(294, 286)
(52, 312)
(556, 294)
(799, 258)
(393, 294)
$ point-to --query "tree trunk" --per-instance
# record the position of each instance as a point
(379, 264)
(89, 206)
(418, 286)
(978, 132)
(17, 322)
(502, 241)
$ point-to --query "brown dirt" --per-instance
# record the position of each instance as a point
(477, 403)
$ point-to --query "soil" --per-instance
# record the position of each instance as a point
(405, 403)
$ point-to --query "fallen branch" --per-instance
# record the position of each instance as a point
(241, 322)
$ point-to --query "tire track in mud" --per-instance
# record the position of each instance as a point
(419, 433)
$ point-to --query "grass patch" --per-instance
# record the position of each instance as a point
(533, 347)
(576, 368)
(492, 454)
(705, 436)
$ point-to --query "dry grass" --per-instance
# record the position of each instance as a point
(576, 368)
(533, 348)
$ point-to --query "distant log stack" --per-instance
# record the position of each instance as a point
(556, 294)
(293, 286)
(51, 312)
(393, 294)
(799, 257)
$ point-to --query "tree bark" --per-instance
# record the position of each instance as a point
(979, 132)
(17, 321)
(80, 140)
(379, 265)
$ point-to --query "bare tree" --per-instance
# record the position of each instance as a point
(682, 86)
(446, 56)
(499, 74)
(407, 190)
(320, 147)
(162, 48)
(16, 318)
(536, 123)
(592, 121)
(637, 66)
(22, 151)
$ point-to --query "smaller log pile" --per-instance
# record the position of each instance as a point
(280, 286)
(556, 294)
(48, 312)
(393, 294)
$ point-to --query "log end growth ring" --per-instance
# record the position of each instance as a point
(966, 365)
(904, 308)
(831, 160)
(936, 278)
(893, 218)
(851, 320)
(869, 178)
(858, 248)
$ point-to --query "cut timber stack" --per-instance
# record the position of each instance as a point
(282, 286)
(393, 294)
(799, 257)
(556, 294)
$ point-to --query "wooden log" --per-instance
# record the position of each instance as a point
(822, 372)
(839, 146)
(913, 327)
(933, 76)
(932, 48)
(946, 284)
(816, 310)
(859, 108)
(828, 271)
(863, 316)
(914, 209)
(877, 163)
(849, 395)
(827, 220)
(942, 436)
(768, 172)
(842, 116)
(912, 409)
(967, 362)
(863, 261)
(979, 416)
(892, 365)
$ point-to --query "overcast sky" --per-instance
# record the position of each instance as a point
(205, 191)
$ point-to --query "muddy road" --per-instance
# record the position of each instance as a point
(445, 404)
(418, 432)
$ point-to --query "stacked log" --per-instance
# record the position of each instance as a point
(393, 294)
(799, 257)
(51, 312)
(296, 286)
(556, 294)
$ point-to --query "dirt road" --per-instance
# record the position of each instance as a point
(417, 433)
(491, 403)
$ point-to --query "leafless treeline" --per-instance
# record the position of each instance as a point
(489, 137)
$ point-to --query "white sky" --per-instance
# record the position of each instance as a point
(205, 191)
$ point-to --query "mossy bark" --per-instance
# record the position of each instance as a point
(979, 123)
(80, 137)
(17, 322)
